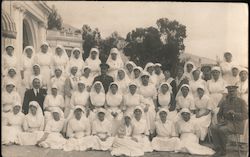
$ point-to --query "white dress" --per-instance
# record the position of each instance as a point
(131, 101)
(9, 61)
(166, 139)
(124, 145)
(26, 67)
(226, 68)
(102, 129)
(185, 102)
(59, 82)
(12, 127)
(189, 140)
(140, 132)
(8, 100)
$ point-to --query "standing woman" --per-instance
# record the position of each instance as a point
(93, 61)
(151, 70)
(197, 81)
(13, 77)
(76, 59)
(149, 93)
(136, 75)
(44, 59)
(33, 125)
(122, 80)
(27, 61)
(141, 130)
(114, 100)
(216, 87)
(101, 131)
(166, 100)
(129, 66)
(185, 99)
(188, 68)
(87, 77)
(12, 125)
(114, 61)
(158, 74)
(235, 75)
(78, 131)
(170, 80)
(180, 78)
(9, 59)
(97, 95)
(58, 80)
(36, 73)
(60, 59)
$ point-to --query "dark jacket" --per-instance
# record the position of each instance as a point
(30, 96)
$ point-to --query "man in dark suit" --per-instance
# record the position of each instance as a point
(104, 78)
(35, 94)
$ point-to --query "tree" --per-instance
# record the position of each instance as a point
(162, 44)
(54, 20)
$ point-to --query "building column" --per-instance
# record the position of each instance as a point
(42, 29)
(18, 14)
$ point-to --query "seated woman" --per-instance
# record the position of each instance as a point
(189, 133)
(166, 100)
(129, 66)
(101, 131)
(124, 143)
(132, 98)
(53, 100)
(184, 98)
(122, 80)
(78, 131)
(53, 138)
(203, 111)
(114, 102)
(141, 131)
(166, 138)
(12, 125)
(33, 125)
(136, 75)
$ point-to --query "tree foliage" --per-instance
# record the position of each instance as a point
(162, 44)
(54, 20)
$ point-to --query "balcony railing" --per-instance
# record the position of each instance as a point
(69, 36)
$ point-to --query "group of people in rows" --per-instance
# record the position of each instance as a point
(71, 104)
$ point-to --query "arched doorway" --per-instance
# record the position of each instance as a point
(27, 34)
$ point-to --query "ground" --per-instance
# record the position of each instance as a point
(33, 151)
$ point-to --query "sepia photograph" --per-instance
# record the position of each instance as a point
(124, 79)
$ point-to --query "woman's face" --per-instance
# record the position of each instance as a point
(76, 54)
(180, 72)
(127, 120)
(145, 80)
(56, 116)
(44, 48)
(113, 56)
(113, 88)
(78, 114)
(167, 74)
(93, 55)
(12, 72)
(68, 53)
(101, 116)
(185, 116)
(58, 72)
(163, 116)
(132, 89)
(200, 92)
(150, 70)
(243, 75)
(87, 71)
(215, 74)
(33, 110)
(189, 67)
(74, 70)
(98, 87)
(235, 72)
(16, 109)
(81, 87)
(9, 88)
(228, 57)
(137, 114)
(196, 75)
(158, 70)
(29, 52)
(36, 69)
(129, 67)
(54, 91)
(184, 91)
(137, 73)
(121, 74)
(10, 51)
(164, 88)
(59, 51)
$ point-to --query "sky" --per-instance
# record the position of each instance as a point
(212, 28)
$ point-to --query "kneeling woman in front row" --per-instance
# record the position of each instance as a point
(124, 143)
(78, 131)
(166, 138)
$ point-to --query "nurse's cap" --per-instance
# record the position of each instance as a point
(185, 110)
(101, 110)
(104, 65)
(231, 87)
(9, 46)
(216, 68)
(54, 86)
(227, 53)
